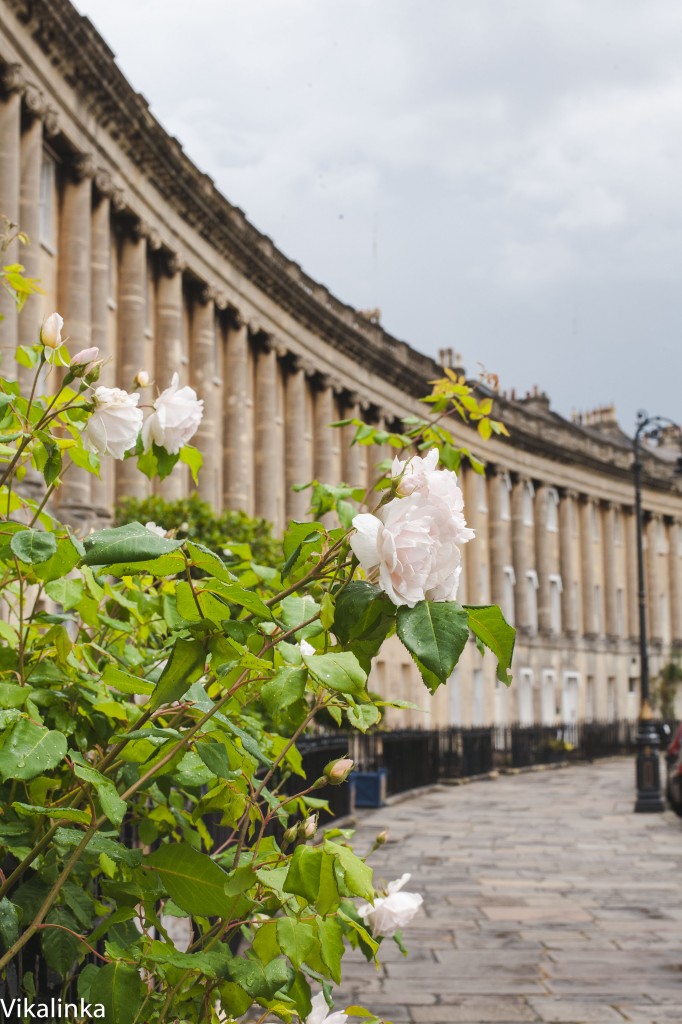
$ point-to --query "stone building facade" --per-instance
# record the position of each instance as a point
(147, 260)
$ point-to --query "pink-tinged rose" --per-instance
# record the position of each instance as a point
(85, 356)
(413, 543)
(337, 772)
(115, 424)
(320, 1013)
(51, 331)
(390, 913)
(309, 827)
(175, 420)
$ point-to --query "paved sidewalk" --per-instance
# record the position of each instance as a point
(546, 899)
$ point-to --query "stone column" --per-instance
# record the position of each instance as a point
(653, 583)
(520, 554)
(675, 566)
(500, 546)
(542, 559)
(609, 550)
(352, 468)
(11, 87)
(239, 431)
(323, 415)
(132, 284)
(632, 586)
(569, 609)
(267, 470)
(587, 566)
(206, 383)
(75, 304)
(170, 356)
(296, 461)
(29, 214)
(103, 496)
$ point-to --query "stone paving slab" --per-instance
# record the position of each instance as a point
(546, 901)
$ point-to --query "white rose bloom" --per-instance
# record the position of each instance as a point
(51, 331)
(175, 420)
(306, 648)
(320, 1012)
(414, 541)
(153, 528)
(115, 424)
(392, 912)
(415, 472)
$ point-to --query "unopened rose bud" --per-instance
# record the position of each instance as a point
(309, 827)
(51, 331)
(337, 772)
(290, 836)
(382, 838)
(84, 362)
(92, 372)
(141, 379)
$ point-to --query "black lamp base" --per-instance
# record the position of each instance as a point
(649, 799)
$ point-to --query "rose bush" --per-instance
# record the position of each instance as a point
(152, 693)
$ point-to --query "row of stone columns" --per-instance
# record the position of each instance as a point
(585, 562)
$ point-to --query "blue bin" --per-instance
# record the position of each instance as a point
(370, 787)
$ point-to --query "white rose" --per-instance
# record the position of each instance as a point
(51, 331)
(414, 474)
(141, 379)
(415, 546)
(153, 528)
(392, 912)
(175, 420)
(320, 1012)
(115, 423)
(306, 648)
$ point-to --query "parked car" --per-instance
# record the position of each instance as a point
(673, 757)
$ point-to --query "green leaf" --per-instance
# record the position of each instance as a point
(130, 543)
(303, 876)
(112, 805)
(245, 598)
(125, 682)
(99, 844)
(330, 937)
(260, 981)
(30, 749)
(206, 560)
(193, 458)
(120, 990)
(295, 610)
(66, 592)
(284, 689)
(488, 624)
(62, 562)
(341, 672)
(435, 633)
(192, 880)
(216, 759)
(9, 923)
(296, 939)
(357, 874)
(60, 948)
(184, 666)
(57, 813)
(33, 546)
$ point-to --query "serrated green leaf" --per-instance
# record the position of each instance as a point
(488, 625)
(337, 671)
(30, 749)
(435, 633)
(296, 939)
(111, 803)
(33, 546)
(194, 881)
(184, 666)
(130, 543)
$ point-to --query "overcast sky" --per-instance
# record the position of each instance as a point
(503, 177)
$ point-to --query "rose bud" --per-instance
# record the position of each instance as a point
(309, 827)
(337, 772)
(51, 331)
(141, 379)
(83, 363)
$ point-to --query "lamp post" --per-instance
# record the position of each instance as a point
(649, 799)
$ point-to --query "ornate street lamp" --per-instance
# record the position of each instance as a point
(649, 799)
